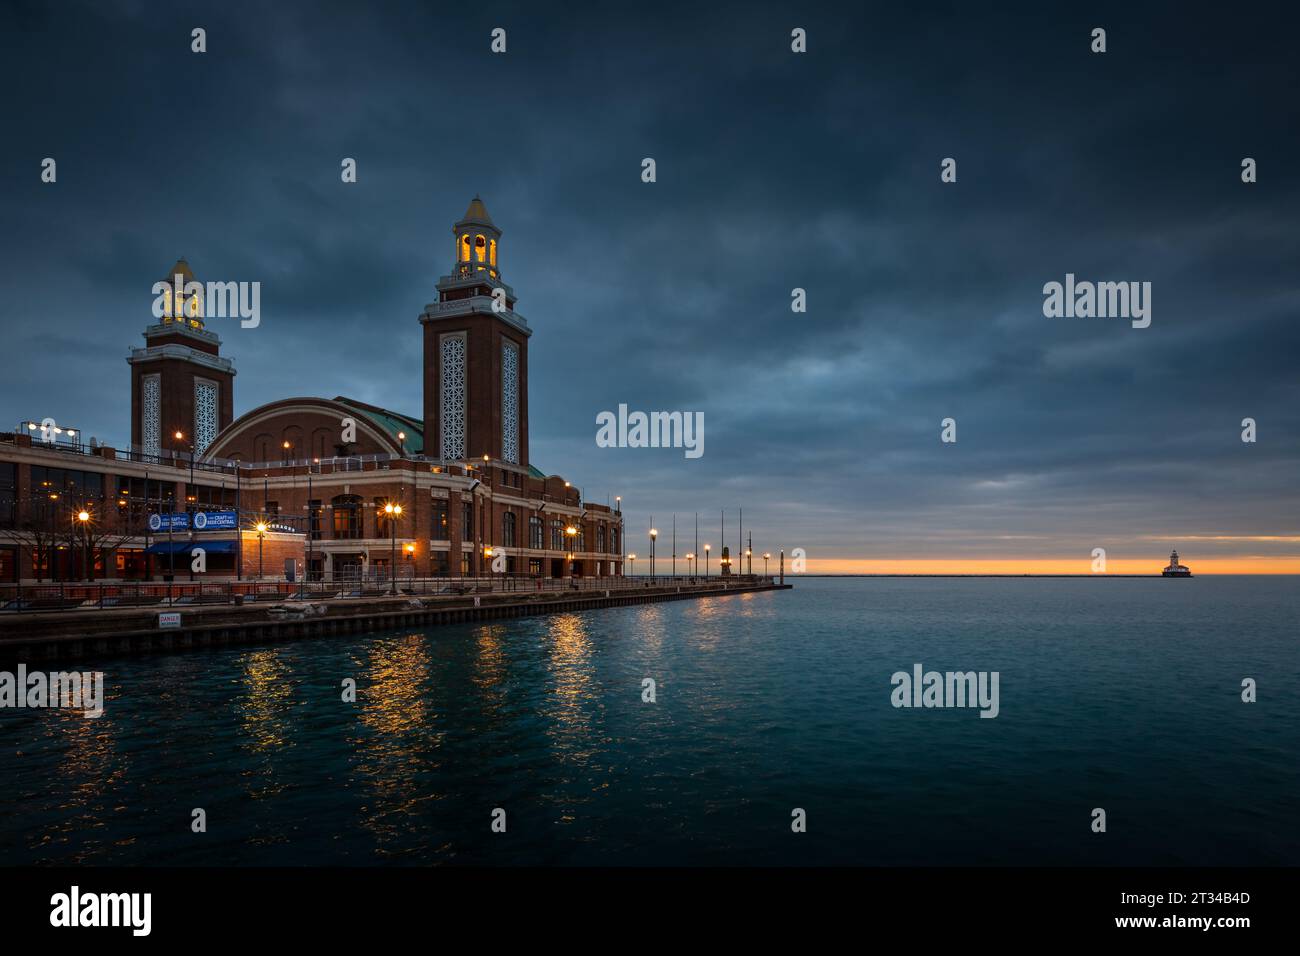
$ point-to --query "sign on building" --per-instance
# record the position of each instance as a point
(169, 522)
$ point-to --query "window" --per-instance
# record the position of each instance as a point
(464, 248)
(466, 520)
(206, 413)
(347, 516)
(464, 563)
(383, 519)
(313, 511)
(557, 535)
(212, 498)
(440, 565)
(613, 541)
(492, 257)
(510, 403)
(452, 396)
(600, 538)
(441, 527)
(8, 496)
(272, 509)
(535, 532)
(137, 498)
(480, 248)
(508, 529)
(534, 565)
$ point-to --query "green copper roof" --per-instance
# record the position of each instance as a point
(534, 473)
(391, 422)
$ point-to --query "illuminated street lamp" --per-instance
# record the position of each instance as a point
(180, 437)
(631, 559)
(410, 560)
(401, 443)
(766, 555)
(571, 533)
(707, 549)
(394, 511)
(749, 553)
(690, 564)
(83, 519)
(261, 535)
(654, 533)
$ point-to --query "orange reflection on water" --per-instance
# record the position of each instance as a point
(570, 667)
(393, 740)
(268, 696)
(91, 770)
(491, 668)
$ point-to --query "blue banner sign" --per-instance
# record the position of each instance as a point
(215, 521)
(170, 522)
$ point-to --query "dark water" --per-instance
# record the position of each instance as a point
(1120, 694)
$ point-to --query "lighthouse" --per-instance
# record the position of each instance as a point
(1176, 570)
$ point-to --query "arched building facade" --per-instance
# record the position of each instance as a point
(326, 473)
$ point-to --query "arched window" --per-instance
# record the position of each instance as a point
(535, 532)
(493, 256)
(480, 248)
(508, 529)
(347, 516)
(464, 248)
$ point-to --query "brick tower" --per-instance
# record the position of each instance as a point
(179, 381)
(475, 354)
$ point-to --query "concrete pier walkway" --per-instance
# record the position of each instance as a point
(74, 635)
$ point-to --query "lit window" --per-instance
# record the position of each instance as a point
(480, 248)
(464, 248)
(493, 257)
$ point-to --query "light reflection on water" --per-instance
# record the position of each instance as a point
(765, 702)
(395, 745)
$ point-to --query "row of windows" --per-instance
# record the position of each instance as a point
(136, 498)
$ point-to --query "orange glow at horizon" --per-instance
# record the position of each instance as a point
(1243, 564)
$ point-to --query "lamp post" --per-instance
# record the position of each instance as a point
(410, 563)
(394, 512)
(571, 533)
(631, 559)
(766, 555)
(401, 444)
(189, 491)
(83, 518)
(261, 534)
(654, 533)
(180, 436)
(749, 553)
(306, 571)
(690, 564)
(707, 549)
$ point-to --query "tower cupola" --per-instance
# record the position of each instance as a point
(476, 243)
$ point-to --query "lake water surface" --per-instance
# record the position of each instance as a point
(1123, 694)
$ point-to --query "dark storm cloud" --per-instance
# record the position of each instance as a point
(775, 171)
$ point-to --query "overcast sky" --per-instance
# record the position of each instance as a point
(775, 170)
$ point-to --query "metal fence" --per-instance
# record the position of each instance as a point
(68, 596)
